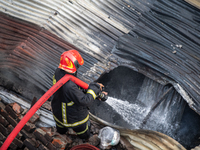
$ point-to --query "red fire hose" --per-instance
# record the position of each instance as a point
(38, 104)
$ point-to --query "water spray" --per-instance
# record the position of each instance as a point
(154, 106)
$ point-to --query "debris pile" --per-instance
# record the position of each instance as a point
(41, 138)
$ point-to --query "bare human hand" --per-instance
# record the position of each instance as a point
(106, 93)
(101, 86)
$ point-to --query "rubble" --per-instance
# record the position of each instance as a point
(41, 138)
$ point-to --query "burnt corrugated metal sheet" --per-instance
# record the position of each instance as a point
(157, 38)
(92, 25)
(167, 41)
(30, 53)
(91, 29)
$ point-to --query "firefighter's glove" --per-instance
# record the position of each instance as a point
(94, 89)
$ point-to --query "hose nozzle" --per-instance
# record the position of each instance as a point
(102, 96)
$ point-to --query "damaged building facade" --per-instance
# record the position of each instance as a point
(154, 42)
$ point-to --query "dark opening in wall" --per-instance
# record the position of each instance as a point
(189, 131)
(122, 83)
(131, 97)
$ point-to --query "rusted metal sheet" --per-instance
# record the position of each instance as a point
(85, 28)
(30, 55)
(84, 23)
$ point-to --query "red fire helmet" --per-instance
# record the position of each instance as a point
(70, 61)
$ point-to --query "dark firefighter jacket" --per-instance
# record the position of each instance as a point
(70, 103)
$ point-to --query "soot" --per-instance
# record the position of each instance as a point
(121, 83)
(124, 84)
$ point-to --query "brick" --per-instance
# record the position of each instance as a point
(47, 105)
(77, 141)
(19, 135)
(3, 121)
(48, 137)
(39, 134)
(51, 131)
(37, 143)
(3, 113)
(57, 143)
(12, 121)
(50, 146)
(11, 112)
(24, 111)
(17, 108)
(2, 105)
(18, 142)
(13, 146)
(29, 144)
(2, 137)
(29, 127)
(41, 131)
(19, 118)
(64, 138)
(94, 140)
(10, 128)
(26, 134)
(42, 147)
(34, 119)
(69, 140)
(3, 130)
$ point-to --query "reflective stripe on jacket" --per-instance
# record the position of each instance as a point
(73, 124)
(69, 103)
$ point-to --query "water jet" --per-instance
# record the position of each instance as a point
(132, 97)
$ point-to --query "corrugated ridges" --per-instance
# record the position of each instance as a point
(167, 41)
(31, 52)
(94, 26)
(90, 25)
(144, 139)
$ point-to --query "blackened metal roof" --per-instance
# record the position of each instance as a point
(159, 38)
(165, 43)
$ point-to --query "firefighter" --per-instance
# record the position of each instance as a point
(70, 103)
